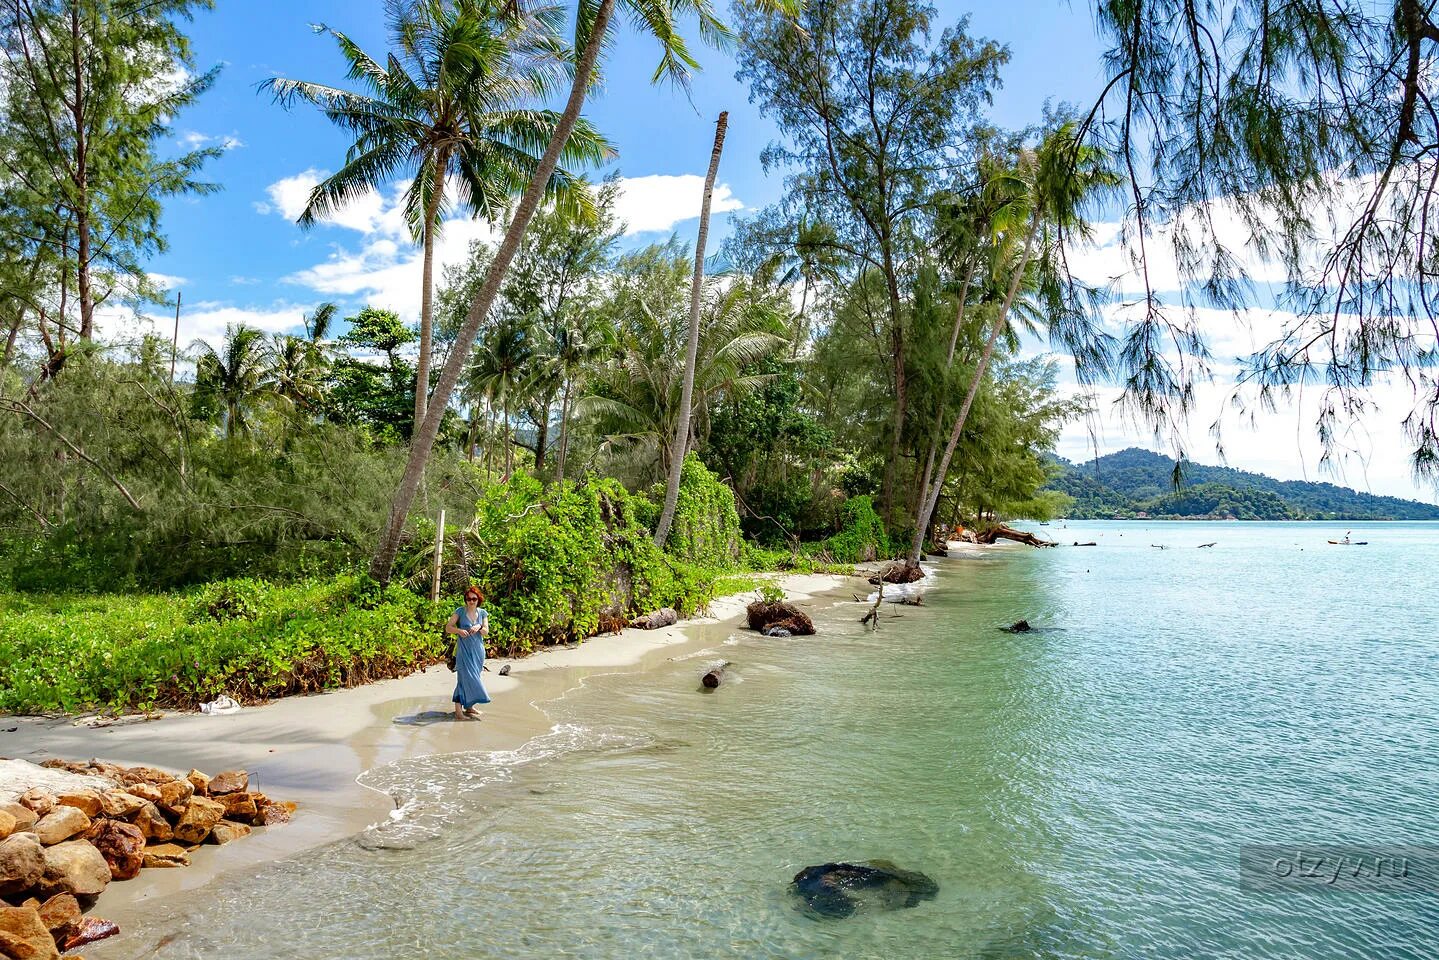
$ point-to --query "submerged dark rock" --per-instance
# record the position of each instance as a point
(765, 616)
(842, 889)
(1019, 626)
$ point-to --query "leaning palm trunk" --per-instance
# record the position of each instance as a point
(930, 501)
(427, 294)
(682, 429)
(423, 441)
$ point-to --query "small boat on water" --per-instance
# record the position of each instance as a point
(1346, 542)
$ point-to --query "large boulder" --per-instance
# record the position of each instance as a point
(766, 616)
(231, 781)
(201, 815)
(23, 935)
(174, 796)
(61, 915)
(60, 825)
(86, 801)
(119, 805)
(8, 824)
(37, 800)
(74, 866)
(843, 889)
(225, 831)
(121, 844)
(166, 855)
(152, 825)
(22, 863)
(25, 818)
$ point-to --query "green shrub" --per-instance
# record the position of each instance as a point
(862, 536)
(770, 593)
(124, 651)
(706, 524)
(566, 562)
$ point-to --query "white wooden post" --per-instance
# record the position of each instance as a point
(439, 557)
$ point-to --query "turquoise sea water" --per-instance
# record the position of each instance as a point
(1081, 791)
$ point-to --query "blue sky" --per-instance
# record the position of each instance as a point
(238, 257)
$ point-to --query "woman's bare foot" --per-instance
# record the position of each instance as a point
(459, 714)
(473, 714)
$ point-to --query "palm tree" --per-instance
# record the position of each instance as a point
(236, 375)
(1046, 196)
(453, 101)
(637, 398)
(298, 364)
(500, 373)
(659, 18)
(579, 344)
(682, 428)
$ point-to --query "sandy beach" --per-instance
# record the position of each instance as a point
(312, 749)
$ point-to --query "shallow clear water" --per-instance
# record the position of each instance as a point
(1077, 792)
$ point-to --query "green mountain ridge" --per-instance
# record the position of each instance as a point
(1139, 484)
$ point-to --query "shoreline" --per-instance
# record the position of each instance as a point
(314, 749)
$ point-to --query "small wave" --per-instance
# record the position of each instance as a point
(429, 792)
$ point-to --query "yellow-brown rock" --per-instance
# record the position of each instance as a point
(174, 795)
(7, 824)
(74, 866)
(231, 781)
(121, 844)
(119, 805)
(38, 801)
(152, 825)
(86, 801)
(166, 855)
(200, 816)
(147, 775)
(225, 831)
(22, 863)
(199, 782)
(25, 818)
(240, 807)
(23, 935)
(61, 915)
(90, 930)
(145, 791)
(60, 825)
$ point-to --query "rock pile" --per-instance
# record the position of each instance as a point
(58, 851)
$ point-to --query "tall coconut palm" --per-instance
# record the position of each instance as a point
(454, 101)
(658, 18)
(682, 428)
(1051, 187)
(236, 375)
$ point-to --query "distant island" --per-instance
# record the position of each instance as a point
(1136, 484)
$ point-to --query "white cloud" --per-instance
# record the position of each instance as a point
(659, 201)
(193, 140)
(165, 281)
(206, 320)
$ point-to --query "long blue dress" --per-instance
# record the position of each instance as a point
(469, 661)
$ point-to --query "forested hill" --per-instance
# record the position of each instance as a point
(1135, 483)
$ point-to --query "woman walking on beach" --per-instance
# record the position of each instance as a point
(469, 626)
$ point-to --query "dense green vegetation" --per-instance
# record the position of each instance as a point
(1140, 483)
(852, 378)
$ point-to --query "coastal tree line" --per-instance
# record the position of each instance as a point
(860, 338)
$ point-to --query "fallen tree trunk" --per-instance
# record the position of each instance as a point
(715, 676)
(1002, 532)
(779, 619)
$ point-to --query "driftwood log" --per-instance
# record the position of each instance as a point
(1002, 532)
(714, 676)
(663, 617)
